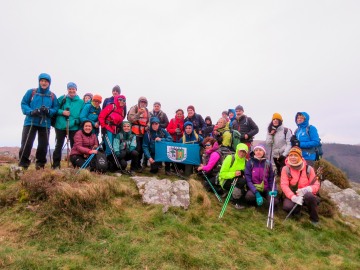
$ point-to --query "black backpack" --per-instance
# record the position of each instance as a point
(100, 162)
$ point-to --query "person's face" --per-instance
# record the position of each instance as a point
(224, 115)
(300, 119)
(179, 114)
(294, 158)
(207, 121)
(155, 126)
(126, 127)
(122, 101)
(231, 114)
(259, 153)
(97, 103)
(275, 122)
(143, 104)
(208, 145)
(221, 123)
(88, 127)
(86, 98)
(239, 112)
(188, 129)
(44, 83)
(72, 92)
(114, 93)
(157, 107)
(241, 154)
(190, 112)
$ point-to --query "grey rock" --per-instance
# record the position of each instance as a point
(329, 187)
(347, 201)
(163, 192)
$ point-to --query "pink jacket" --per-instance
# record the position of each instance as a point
(83, 144)
(297, 176)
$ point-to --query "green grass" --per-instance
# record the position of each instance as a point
(127, 234)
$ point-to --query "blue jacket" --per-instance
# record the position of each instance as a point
(308, 137)
(90, 112)
(193, 137)
(149, 141)
(30, 102)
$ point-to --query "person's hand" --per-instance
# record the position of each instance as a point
(157, 139)
(294, 141)
(259, 198)
(96, 125)
(200, 167)
(297, 199)
(273, 131)
(35, 112)
(178, 130)
(44, 110)
(151, 160)
(237, 173)
(246, 136)
(66, 113)
(303, 191)
(93, 152)
(273, 193)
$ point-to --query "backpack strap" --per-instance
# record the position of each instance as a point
(232, 160)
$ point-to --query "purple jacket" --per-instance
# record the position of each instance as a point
(254, 174)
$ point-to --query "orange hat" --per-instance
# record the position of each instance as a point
(296, 150)
(97, 97)
(277, 116)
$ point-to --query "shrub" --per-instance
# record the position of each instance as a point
(333, 174)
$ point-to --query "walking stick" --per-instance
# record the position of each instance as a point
(87, 162)
(228, 197)
(270, 220)
(67, 141)
(212, 187)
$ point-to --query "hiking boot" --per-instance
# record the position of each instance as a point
(316, 224)
(168, 173)
(38, 167)
(239, 206)
(139, 170)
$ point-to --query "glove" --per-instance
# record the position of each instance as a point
(35, 112)
(294, 141)
(44, 110)
(281, 159)
(297, 199)
(177, 130)
(259, 198)
(273, 193)
(303, 191)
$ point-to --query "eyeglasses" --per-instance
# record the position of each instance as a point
(208, 144)
(97, 101)
(121, 99)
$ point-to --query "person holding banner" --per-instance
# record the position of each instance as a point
(232, 173)
(153, 135)
(190, 136)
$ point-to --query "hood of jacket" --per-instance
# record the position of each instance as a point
(306, 121)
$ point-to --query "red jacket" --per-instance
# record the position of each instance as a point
(112, 115)
(83, 144)
(173, 125)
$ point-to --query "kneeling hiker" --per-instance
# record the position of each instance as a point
(233, 168)
(260, 178)
(85, 143)
(299, 184)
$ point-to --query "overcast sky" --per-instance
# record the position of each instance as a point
(268, 56)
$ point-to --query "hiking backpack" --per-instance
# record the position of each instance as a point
(100, 162)
(318, 149)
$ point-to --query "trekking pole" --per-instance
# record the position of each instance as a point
(270, 220)
(212, 187)
(67, 137)
(113, 154)
(48, 141)
(86, 163)
(27, 138)
(228, 198)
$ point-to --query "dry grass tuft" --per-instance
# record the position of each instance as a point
(199, 194)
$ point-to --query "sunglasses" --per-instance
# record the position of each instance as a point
(97, 101)
(121, 99)
(208, 144)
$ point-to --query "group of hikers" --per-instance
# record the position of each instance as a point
(81, 121)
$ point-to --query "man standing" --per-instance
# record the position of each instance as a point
(115, 91)
(196, 119)
(157, 112)
(67, 120)
(38, 105)
(246, 126)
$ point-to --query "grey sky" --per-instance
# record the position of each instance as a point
(269, 56)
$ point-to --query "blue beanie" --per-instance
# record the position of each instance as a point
(45, 76)
(154, 120)
(71, 85)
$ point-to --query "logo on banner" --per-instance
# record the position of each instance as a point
(176, 153)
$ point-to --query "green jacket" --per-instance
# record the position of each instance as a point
(75, 106)
(227, 172)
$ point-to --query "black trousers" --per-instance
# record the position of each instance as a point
(127, 155)
(139, 149)
(78, 160)
(60, 139)
(310, 200)
(27, 141)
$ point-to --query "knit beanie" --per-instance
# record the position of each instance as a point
(89, 95)
(71, 85)
(97, 97)
(239, 108)
(296, 150)
(260, 147)
(191, 107)
(117, 89)
(157, 103)
(277, 116)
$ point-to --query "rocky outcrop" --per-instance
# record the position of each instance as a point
(347, 200)
(165, 192)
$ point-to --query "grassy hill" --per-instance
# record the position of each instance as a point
(59, 220)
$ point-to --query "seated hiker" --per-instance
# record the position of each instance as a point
(211, 162)
(259, 178)
(91, 112)
(278, 138)
(209, 127)
(189, 136)
(153, 135)
(299, 184)
(125, 147)
(223, 131)
(232, 169)
(85, 143)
